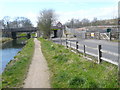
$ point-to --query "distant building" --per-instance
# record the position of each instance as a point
(57, 30)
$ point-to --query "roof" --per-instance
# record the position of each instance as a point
(58, 26)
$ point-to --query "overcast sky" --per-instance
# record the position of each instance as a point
(65, 9)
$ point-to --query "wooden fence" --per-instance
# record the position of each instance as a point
(75, 45)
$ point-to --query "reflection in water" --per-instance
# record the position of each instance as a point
(9, 50)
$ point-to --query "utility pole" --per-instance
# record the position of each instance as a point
(72, 26)
(7, 25)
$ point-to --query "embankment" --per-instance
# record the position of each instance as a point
(16, 70)
(69, 70)
(3, 40)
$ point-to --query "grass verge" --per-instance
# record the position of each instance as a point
(69, 70)
(115, 40)
(16, 70)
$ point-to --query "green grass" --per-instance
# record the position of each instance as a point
(69, 70)
(0, 81)
(33, 34)
(22, 34)
(25, 34)
(23, 39)
(16, 70)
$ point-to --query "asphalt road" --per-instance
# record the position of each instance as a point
(106, 45)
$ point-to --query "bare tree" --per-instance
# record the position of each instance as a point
(6, 21)
(1, 24)
(45, 21)
(21, 22)
(85, 22)
(16, 23)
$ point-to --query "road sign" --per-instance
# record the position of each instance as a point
(108, 30)
(92, 34)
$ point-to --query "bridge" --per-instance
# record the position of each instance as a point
(28, 29)
(57, 30)
(13, 31)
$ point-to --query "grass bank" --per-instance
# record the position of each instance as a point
(69, 70)
(16, 70)
(25, 34)
(3, 40)
(0, 81)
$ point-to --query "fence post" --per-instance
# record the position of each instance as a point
(66, 43)
(84, 50)
(76, 45)
(110, 36)
(70, 44)
(99, 54)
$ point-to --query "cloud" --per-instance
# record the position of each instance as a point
(100, 13)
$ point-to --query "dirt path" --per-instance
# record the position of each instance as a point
(38, 75)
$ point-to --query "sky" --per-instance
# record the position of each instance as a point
(65, 9)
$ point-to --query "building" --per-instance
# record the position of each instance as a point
(57, 30)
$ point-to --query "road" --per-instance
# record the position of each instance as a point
(106, 45)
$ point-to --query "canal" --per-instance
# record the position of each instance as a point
(9, 50)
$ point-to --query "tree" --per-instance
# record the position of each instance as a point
(73, 23)
(5, 21)
(18, 22)
(45, 21)
(85, 22)
(1, 24)
(94, 21)
(21, 22)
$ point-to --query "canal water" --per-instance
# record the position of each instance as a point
(9, 50)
